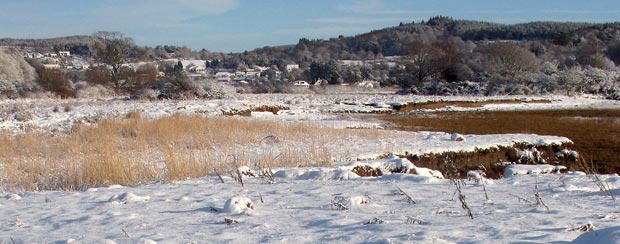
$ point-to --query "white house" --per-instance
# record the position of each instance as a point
(197, 70)
(251, 73)
(301, 83)
(291, 67)
(51, 66)
(260, 68)
(51, 55)
(64, 53)
(369, 84)
(224, 76)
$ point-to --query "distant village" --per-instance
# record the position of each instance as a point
(199, 69)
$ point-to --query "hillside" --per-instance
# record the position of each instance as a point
(393, 41)
(439, 56)
(79, 45)
(390, 41)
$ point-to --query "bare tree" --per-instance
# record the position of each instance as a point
(423, 60)
(508, 59)
(111, 48)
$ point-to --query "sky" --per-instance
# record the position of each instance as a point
(239, 25)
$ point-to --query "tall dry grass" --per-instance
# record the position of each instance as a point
(136, 150)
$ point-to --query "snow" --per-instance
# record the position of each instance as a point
(300, 210)
(239, 205)
(128, 197)
(567, 153)
(607, 235)
(326, 109)
(319, 204)
(520, 169)
(457, 137)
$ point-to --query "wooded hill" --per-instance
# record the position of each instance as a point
(438, 56)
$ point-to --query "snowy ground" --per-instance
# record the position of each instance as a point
(304, 205)
(298, 208)
(334, 110)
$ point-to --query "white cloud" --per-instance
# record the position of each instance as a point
(362, 6)
(190, 7)
(345, 20)
(378, 7)
(323, 32)
(404, 11)
(207, 6)
(161, 13)
(566, 11)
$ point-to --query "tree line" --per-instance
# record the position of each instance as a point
(437, 56)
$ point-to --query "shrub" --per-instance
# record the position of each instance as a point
(88, 90)
(99, 76)
(56, 81)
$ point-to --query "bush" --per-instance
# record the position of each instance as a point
(23, 116)
(146, 94)
(444, 88)
(55, 80)
(8, 89)
(87, 90)
(99, 76)
(458, 72)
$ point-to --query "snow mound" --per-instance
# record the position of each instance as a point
(315, 174)
(393, 164)
(521, 169)
(327, 175)
(247, 171)
(409, 177)
(288, 173)
(476, 175)
(239, 205)
(343, 175)
(68, 241)
(12, 197)
(357, 169)
(147, 241)
(128, 197)
(358, 200)
(607, 235)
(457, 137)
(389, 165)
(431, 173)
(344, 203)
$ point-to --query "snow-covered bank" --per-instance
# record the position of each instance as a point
(303, 211)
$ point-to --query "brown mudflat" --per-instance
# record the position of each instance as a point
(595, 133)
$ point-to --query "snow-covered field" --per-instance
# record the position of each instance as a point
(304, 206)
(328, 204)
(330, 109)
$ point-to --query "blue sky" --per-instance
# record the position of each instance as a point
(238, 25)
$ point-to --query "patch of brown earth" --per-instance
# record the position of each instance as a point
(462, 104)
(595, 133)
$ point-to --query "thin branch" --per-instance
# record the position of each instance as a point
(409, 198)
